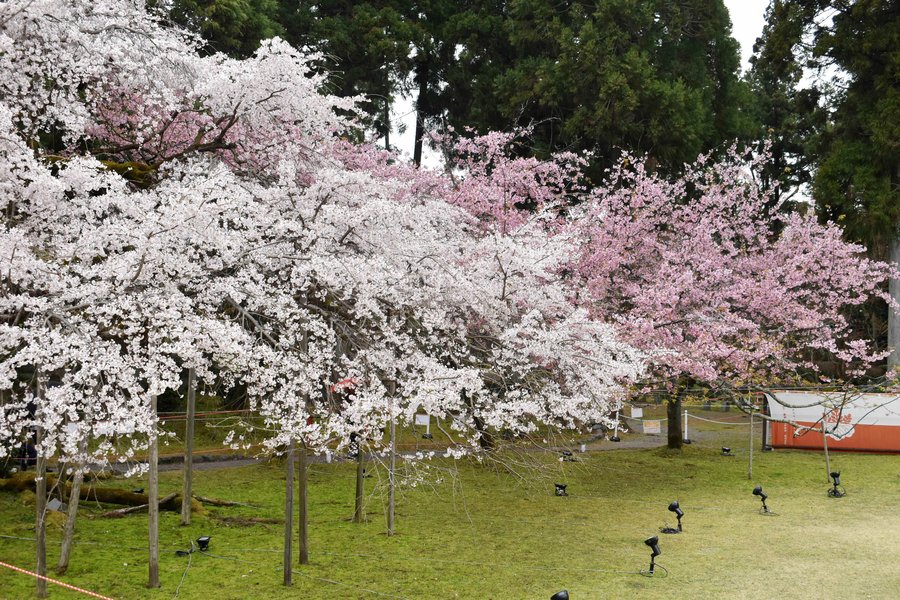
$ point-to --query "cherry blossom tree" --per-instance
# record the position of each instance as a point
(167, 211)
(703, 272)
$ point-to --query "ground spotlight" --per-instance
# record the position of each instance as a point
(654, 546)
(726, 451)
(567, 456)
(203, 543)
(758, 491)
(838, 490)
(561, 595)
(561, 489)
(673, 507)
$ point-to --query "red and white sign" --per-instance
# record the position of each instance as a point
(864, 423)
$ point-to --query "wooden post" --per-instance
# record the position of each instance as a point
(188, 451)
(392, 386)
(74, 497)
(40, 492)
(303, 524)
(750, 466)
(153, 503)
(360, 481)
(288, 512)
(825, 446)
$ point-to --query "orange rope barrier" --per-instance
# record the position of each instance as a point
(57, 582)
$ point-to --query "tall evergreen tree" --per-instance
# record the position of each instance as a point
(845, 121)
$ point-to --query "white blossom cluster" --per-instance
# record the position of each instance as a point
(205, 213)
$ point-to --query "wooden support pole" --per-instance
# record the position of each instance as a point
(153, 508)
(392, 482)
(288, 512)
(188, 450)
(358, 514)
(40, 515)
(303, 524)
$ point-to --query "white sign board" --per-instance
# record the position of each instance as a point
(654, 426)
(423, 420)
(637, 412)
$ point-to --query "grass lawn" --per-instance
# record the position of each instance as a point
(481, 532)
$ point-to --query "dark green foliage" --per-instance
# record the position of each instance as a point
(234, 27)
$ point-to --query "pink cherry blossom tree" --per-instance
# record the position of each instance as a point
(701, 272)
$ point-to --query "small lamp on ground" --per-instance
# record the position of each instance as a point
(726, 451)
(561, 489)
(560, 595)
(673, 507)
(758, 491)
(653, 543)
(203, 543)
(838, 490)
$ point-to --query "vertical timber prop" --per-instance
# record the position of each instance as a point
(153, 503)
(303, 516)
(288, 512)
(40, 491)
(392, 478)
(186, 491)
(74, 496)
(360, 481)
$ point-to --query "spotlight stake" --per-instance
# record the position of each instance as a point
(560, 489)
(653, 543)
(758, 491)
(673, 507)
(838, 490)
(726, 451)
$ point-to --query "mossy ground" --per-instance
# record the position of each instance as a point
(483, 531)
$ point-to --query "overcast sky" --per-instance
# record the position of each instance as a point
(747, 18)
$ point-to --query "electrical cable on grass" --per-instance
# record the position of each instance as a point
(190, 557)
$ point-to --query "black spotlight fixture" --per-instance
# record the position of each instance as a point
(673, 507)
(203, 543)
(560, 595)
(838, 490)
(726, 451)
(758, 491)
(561, 489)
(653, 543)
(567, 456)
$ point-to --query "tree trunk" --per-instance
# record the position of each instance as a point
(153, 501)
(188, 451)
(421, 102)
(893, 360)
(40, 516)
(288, 512)
(673, 412)
(74, 496)
(387, 124)
(360, 482)
(303, 517)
